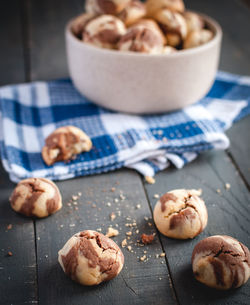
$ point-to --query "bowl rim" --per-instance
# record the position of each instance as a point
(184, 52)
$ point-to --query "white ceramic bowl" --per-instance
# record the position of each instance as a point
(143, 83)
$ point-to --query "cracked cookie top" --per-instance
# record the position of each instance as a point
(90, 258)
(64, 143)
(221, 262)
(181, 214)
(37, 197)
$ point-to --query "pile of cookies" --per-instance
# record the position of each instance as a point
(90, 257)
(153, 27)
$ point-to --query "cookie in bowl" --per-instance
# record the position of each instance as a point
(104, 31)
(142, 37)
(105, 6)
(133, 12)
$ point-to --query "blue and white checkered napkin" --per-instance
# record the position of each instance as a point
(30, 112)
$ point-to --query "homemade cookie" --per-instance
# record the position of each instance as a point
(134, 11)
(173, 25)
(144, 36)
(105, 6)
(104, 31)
(79, 24)
(193, 21)
(153, 6)
(90, 258)
(36, 197)
(196, 38)
(180, 214)
(64, 143)
(221, 262)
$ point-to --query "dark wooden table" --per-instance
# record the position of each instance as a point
(32, 47)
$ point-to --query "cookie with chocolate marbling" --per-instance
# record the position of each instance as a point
(133, 12)
(193, 21)
(104, 31)
(221, 262)
(155, 5)
(79, 24)
(64, 143)
(37, 197)
(90, 258)
(197, 38)
(144, 37)
(173, 25)
(112, 7)
(180, 214)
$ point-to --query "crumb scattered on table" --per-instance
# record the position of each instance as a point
(112, 232)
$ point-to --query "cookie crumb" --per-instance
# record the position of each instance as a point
(112, 216)
(162, 254)
(9, 226)
(129, 248)
(108, 204)
(129, 233)
(147, 239)
(10, 253)
(74, 197)
(156, 196)
(218, 191)
(124, 243)
(227, 186)
(116, 200)
(113, 189)
(112, 232)
(150, 180)
(122, 197)
(99, 230)
(138, 206)
(143, 258)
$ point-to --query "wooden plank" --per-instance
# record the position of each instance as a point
(47, 23)
(228, 213)
(11, 59)
(139, 282)
(235, 47)
(240, 147)
(17, 272)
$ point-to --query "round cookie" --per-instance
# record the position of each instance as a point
(221, 262)
(168, 50)
(180, 214)
(133, 12)
(90, 258)
(79, 24)
(193, 21)
(144, 37)
(104, 31)
(153, 6)
(112, 7)
(64, 143)
(173, 25)
(36, 197)
(197, 38)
